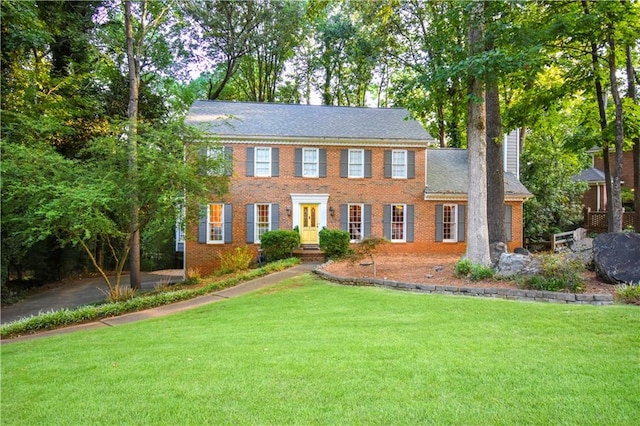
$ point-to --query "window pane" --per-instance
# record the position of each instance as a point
(310, 162)
(355, 222)
(397, 222)
(356, 163)
(449, 222)
(262, 220)
(399, 164)
(215, 222)
(263, 162)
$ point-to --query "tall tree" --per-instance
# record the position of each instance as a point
(478, 235)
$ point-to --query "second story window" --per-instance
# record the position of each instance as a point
(399, 164)
(310, 162)
(263, 162)
(356, 163)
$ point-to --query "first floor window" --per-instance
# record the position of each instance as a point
(215, 224)
(449, 223)
(397, 222)
(263, 223)
(355, 222)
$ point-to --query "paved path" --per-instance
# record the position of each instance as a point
(77, 294)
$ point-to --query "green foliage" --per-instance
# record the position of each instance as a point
(335, 243)
(465, 268)
(628, 293)
(557, 273)
(237, 259)
(279, 244)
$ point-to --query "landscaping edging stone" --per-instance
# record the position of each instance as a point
(499, 293)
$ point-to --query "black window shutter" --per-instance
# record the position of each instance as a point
(344, 163)
(439, 220)
(411, 164)
(228, 158)
(387, 164)
(297, 163)
(409, 223)
(249, 162)
(344, 217)
(228, 223)
(367, 163)
(250, 222)
(275, 162)
(202, 223)
(508, 221)
(386, 221)
(367, 221)
(461, 222)
(322, 166)
(275, 216)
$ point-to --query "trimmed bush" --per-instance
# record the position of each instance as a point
(335, 243)
(279, 244)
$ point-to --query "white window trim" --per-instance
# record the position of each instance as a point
(404, 224)
(454, 224)
(317, 163)
(404, 163)
(255, 220)
(255, 162)
(361, 221)
(349, 163)
(209, 240)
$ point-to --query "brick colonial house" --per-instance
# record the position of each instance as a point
(364, 170)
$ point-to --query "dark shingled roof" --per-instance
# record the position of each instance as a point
(589, 175)
(447, 174)
(305, 121)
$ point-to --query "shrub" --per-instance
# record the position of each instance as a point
(238, 259)
(628, 293)
(335, 243)
(465, 268)
(192, 276)
(462, 268)
(279, 244)
(557, 273)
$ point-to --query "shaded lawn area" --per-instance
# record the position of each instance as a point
(310, 352)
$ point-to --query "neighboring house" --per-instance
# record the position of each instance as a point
(364, 170)
(595, 198)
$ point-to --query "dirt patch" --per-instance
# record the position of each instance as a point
(434, 269)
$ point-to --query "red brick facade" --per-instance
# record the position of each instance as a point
(286, 192)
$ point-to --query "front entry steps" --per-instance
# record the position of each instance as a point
(309, 253)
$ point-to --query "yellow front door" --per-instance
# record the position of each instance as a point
(309, 224)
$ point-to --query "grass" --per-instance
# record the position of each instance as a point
(310, 352)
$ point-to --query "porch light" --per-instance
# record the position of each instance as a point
(289, 211)
(332, 212)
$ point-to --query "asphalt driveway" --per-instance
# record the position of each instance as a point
(74, 293)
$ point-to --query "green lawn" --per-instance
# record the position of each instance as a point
(310, 352)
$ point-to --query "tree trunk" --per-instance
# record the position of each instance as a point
(616, 192)
(632, 94)
(132, 134)
(495, 165)
(478, 235)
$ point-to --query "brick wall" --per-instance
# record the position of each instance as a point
(375, 191)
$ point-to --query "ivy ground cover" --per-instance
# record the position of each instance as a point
(310, 352)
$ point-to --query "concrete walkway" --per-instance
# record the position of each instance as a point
(76, 294)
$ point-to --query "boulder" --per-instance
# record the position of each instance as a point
(521, 250)
(495, 251)
(616, 257)
(512, 264)
(582, 250)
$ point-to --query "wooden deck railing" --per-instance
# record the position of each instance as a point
(597, 221)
